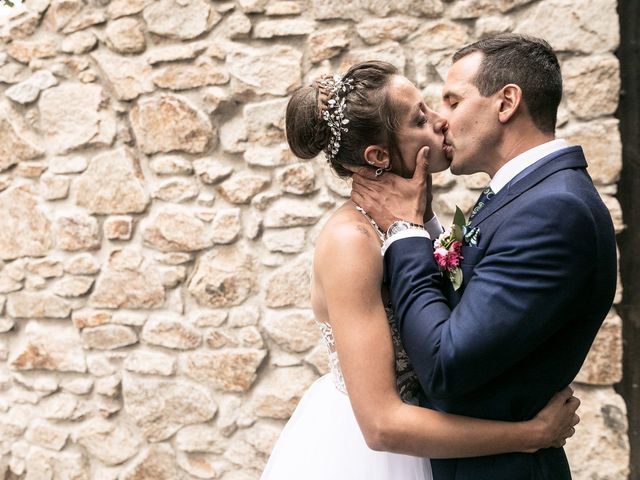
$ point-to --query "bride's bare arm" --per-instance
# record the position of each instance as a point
(348, 270)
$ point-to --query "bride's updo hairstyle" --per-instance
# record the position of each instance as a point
(372, 119)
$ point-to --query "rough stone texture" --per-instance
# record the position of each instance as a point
(274, 71)
(25, 230)
(110, 443)
(289, 285)
(170, 165)
(295, 332)
(231, 370)
(288, 240)
(129, 77)
(170, 332)
(226, 225)
(176, 231)
(128, 289)
(603, 365)
(25, 51)
(591, 85)
(585, 29)
(160, 408)
(200, 438)
(82, 264)
(54, 187)
(180, 19)
(184, 77)
(112, 184)
(222, 277)
(603, 428)
(158, 462)
(156, 229)
(283, 28)
(390, 52)
(120, 8)
(108, 337)
(298, 179)
(281, 390)
(170, 123)
(37, 305)
(242, 187)
(126, 35)
(328, 43)
(118, 227)
(79, 42)
(150, 363)
(77, 232)
(177, 190)
(60, 352)
(28, 90)
(602, 147)
(76, 115)
(73, 286)
(379, 30)
(292, 213)
(46, 435)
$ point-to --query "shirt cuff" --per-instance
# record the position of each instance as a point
(409, 233)
(434, 227)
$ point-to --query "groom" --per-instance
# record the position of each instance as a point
(539, 277)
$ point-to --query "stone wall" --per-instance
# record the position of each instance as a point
(156, 233)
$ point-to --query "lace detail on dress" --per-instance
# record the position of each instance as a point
(334, 364)
(406, 379)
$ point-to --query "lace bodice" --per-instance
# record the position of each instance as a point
(406, 380)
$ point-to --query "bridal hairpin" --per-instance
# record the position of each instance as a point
(336, 89)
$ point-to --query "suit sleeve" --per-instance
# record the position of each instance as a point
(533, 267)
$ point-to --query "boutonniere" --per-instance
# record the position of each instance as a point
(446, 249)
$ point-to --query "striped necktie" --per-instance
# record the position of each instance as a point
(486, 196)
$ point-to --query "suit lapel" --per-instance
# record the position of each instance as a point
(567, 158)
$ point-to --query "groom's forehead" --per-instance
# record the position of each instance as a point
(461, 75)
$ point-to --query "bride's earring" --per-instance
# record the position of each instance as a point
(380, 171)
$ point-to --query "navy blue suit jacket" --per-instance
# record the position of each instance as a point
(535, 291)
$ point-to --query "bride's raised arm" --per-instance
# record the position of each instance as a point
(348, 275)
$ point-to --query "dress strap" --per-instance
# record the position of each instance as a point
(373, 223)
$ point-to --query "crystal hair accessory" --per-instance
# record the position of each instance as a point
(336, 89)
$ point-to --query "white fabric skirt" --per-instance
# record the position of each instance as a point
(322, 441)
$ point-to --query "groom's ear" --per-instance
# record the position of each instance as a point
(510, 102)
(376, 156)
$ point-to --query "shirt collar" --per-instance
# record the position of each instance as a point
(513, 167)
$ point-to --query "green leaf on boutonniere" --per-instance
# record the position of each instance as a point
(458, 218)
(456, 278)
(456, 232)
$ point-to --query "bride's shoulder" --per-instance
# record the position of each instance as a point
(347, 231)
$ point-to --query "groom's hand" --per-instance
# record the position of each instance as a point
(389, 197)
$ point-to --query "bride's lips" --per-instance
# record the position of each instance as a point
(447, 149)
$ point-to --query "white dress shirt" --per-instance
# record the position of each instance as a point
(506, 173)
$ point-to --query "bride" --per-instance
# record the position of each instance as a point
(362, 421)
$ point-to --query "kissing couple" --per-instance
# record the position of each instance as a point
(450, 352)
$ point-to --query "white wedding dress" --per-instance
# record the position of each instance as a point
(322, 440)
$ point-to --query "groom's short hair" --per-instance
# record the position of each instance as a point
(526, 61)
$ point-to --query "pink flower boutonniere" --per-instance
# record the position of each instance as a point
(446, 250)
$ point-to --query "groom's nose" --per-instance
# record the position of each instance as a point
(440, 123)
